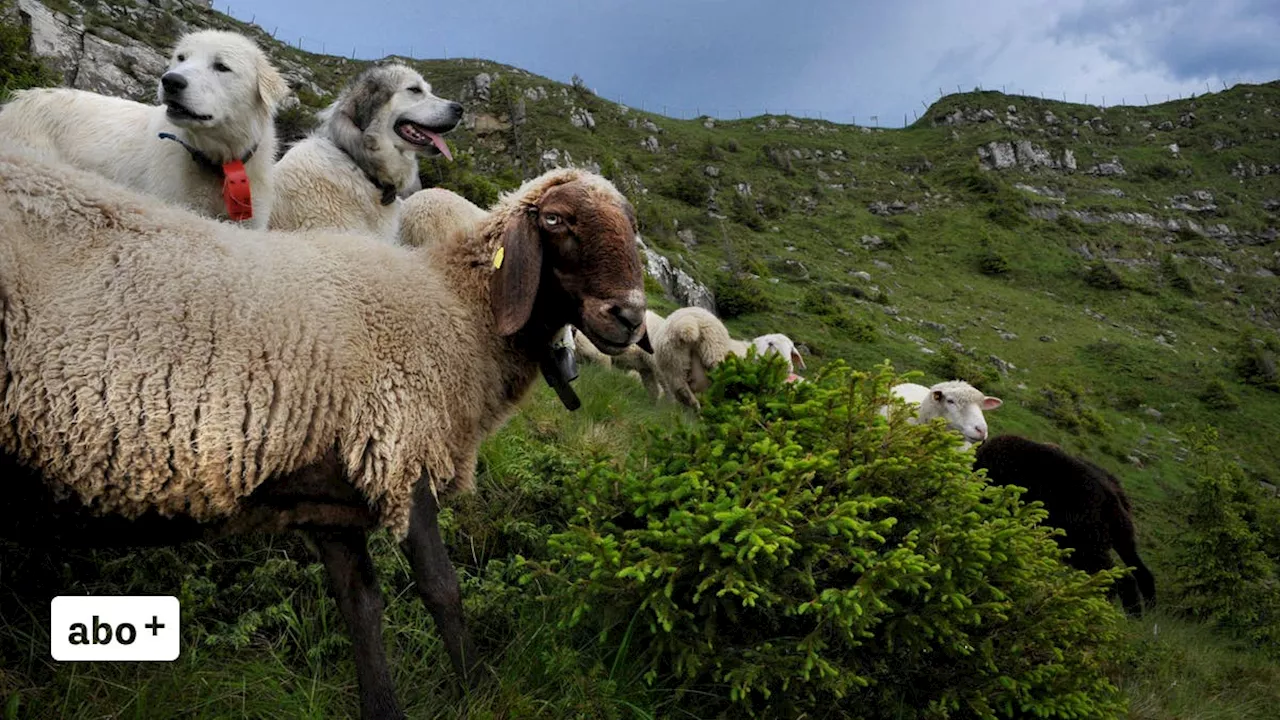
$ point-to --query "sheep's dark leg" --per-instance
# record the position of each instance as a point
(1139, 581)
(1094, 560)
(354, 583)
(437, 581)
(1124, 541)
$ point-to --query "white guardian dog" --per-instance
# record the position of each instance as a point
(209, 146)
(353, 170)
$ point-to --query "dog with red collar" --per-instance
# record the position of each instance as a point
(209, 145)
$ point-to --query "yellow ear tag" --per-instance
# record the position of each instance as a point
(497, 257)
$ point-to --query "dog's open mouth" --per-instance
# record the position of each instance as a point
(418, 135)
(178, 111)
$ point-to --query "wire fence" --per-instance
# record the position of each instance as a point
(1100, 101)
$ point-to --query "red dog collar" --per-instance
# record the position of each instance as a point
(236, 192)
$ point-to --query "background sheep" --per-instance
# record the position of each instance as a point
(1082, 499)
(960, 403)
(634, 360)
(232, 380)
(692, 341)
(434, 214)
(782, 345)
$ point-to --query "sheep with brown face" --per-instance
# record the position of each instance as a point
(168, 377)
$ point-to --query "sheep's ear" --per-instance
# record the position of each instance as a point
(517, 268)
(271, 84)
(991, 403)
(938, 396)
(796, 359)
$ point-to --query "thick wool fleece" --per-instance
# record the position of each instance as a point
(691, 342)
(433, 214)
(156, 359)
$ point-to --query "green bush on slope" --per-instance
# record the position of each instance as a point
(794, 553)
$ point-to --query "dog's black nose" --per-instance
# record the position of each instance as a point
(631, 317)
(173, 82)
(456, 109)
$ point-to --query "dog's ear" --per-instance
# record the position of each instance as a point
(272, 87)
(365, 102)
(518, 267)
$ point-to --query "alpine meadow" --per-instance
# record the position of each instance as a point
(1111, 274)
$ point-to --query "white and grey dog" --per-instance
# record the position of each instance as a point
(218, 100)
(350, 173)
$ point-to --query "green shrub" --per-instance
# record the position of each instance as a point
(1256, 361)
(688, 185)
(793, 555)
(823, 304)
(1173, 274)
(738, 296)
(1159, 171)
(991, 262)
(743, 210)
(1101, 276)
(1224, 573)
(951, 365)
(1064, 403)
(1217, 396)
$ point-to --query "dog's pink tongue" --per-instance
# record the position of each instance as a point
(440, 144)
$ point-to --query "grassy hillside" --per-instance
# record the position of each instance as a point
(1110, 273)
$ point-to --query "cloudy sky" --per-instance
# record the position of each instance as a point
(844, 59)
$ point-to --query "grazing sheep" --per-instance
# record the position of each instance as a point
(1082, 499)
(692, 341)
(168, 377)
(634, 360)
(350, 173)
(784, 346)
(960, 403)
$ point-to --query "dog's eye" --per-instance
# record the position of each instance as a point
(551, 219)
(221, 67)
(415, 90)
(182, 58)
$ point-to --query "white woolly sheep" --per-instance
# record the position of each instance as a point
(960, 403)
(634, 360)
(169, 372)
(782, 345)
(434, 214)
(692, 341)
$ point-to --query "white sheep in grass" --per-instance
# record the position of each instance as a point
(960, 403)
(691, 342)
(784, 346)
(634, 360)
(168, 377)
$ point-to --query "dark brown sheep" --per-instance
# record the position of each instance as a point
(1082, 499)
(322, 382)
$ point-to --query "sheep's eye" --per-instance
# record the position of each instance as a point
(182, 58)
(221, 67)
(415, 90)
(951, 401)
